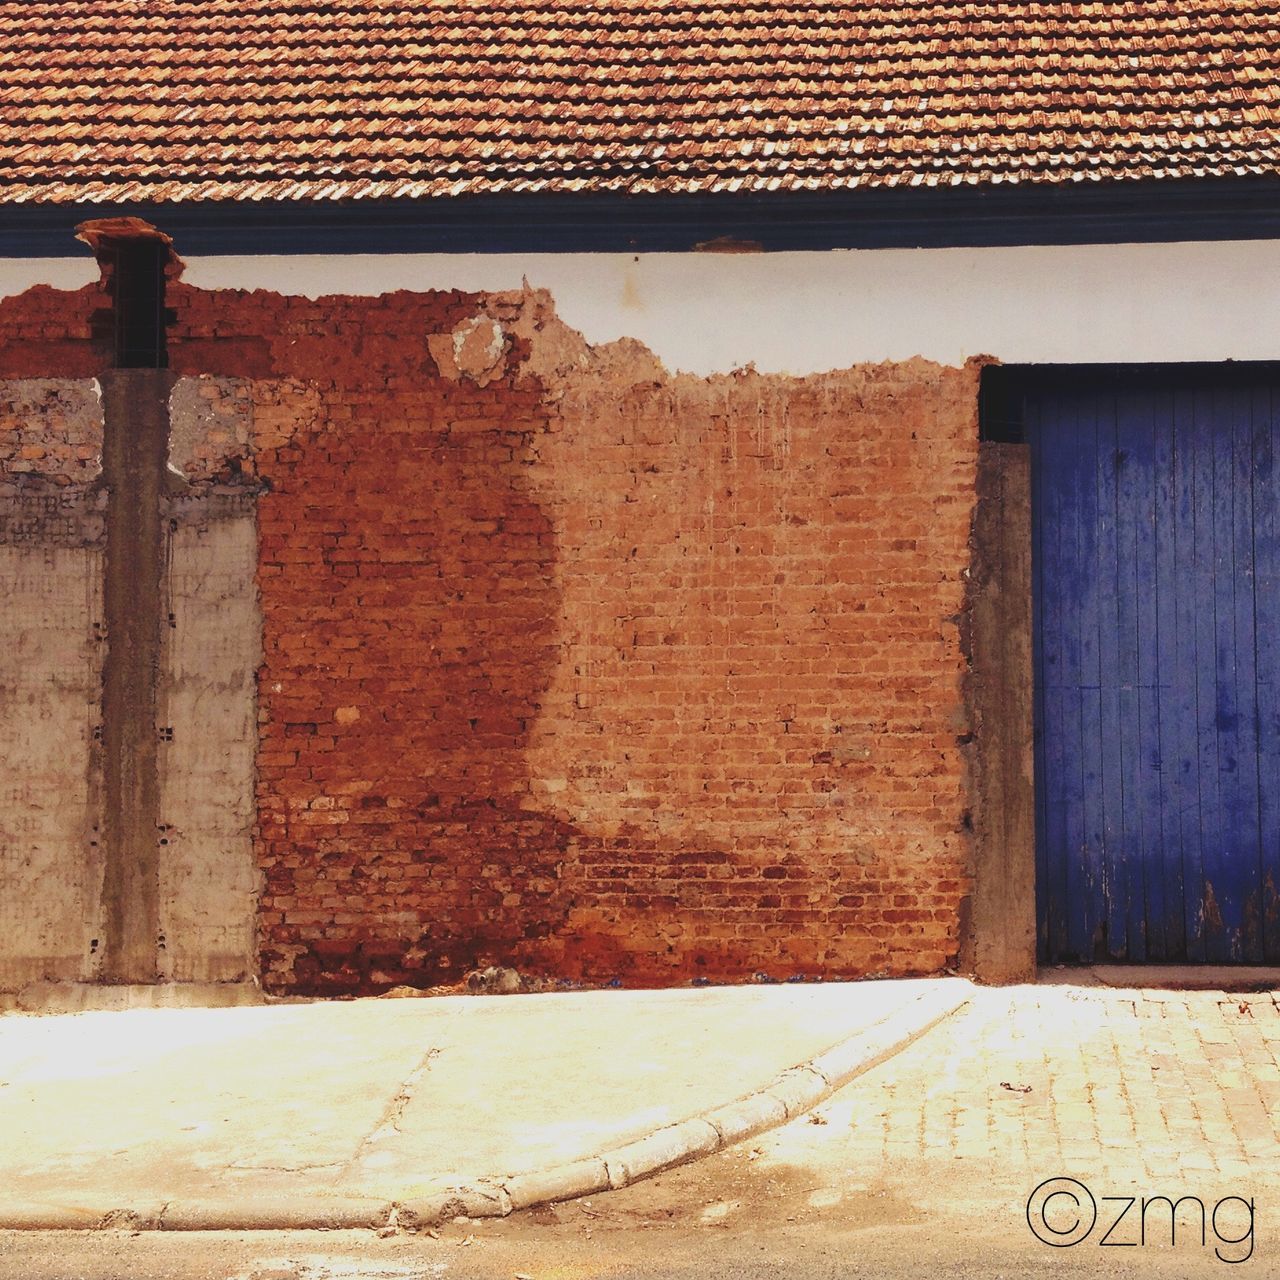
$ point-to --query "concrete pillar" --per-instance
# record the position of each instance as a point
(1003, 920)
(135, 405)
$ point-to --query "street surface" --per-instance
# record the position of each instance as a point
(923, 1166)
(290, 1106)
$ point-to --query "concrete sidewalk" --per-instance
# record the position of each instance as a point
(376, 1112)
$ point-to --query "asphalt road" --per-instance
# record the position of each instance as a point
(731, 1216)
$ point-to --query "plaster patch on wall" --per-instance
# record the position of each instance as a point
(473, 350)
(52, 646)
(554, 353)
(51, 650)
(40, 517)
(50, 683)
(806, 312)
(208, 706)
(211, 429)
(208, 712)
(17, 275)
(50, 431)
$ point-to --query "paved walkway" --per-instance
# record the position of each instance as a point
(328, 1113)
(1124, 1092)
(1128, 1084)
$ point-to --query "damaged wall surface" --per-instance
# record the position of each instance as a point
(51, 559)
(207, 709)
(566, 661)
(807, 312)
(76, 892)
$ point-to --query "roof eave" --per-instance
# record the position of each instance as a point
(1010, 214)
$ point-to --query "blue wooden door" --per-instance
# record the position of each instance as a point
(1156, 632)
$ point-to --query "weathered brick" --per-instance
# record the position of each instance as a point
(593, 670)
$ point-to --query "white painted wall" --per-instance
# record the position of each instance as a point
(18, 274)
(807, 312)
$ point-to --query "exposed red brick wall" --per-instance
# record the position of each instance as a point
(50, 435)
(753, 716)
(51, 333)
(590, 669)
(410, 616)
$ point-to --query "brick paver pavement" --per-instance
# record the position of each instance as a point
(1128, 1092)
(1131, 1083)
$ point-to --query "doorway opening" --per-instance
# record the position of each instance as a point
(1138, 733)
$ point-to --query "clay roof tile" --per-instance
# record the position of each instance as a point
(158, 100)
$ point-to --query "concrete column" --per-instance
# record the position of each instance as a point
(135, 405)
(1003, 943)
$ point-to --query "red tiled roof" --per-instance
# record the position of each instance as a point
(181, 100)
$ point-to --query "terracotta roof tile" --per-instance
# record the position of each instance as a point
(180, 100)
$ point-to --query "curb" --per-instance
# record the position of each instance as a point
(791, 1094)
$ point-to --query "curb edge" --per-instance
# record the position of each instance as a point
(792, 1093)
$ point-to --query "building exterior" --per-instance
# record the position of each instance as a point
(640, 491)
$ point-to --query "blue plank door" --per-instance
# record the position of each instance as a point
(1157, 659)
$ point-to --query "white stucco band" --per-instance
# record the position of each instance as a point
(807, 312)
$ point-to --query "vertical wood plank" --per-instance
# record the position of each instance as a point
(1166, 927)
(1204, 614)
(1111, 730)
(1139, 605)
(1125, 855)
(1185, 694)
(1054, 536)
(1049, 934)
(1002, 947)
(1077, 619)
(1245, 873)
(1266, 495)
(1218, 704)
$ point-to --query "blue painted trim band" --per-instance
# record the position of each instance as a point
(1079, 213)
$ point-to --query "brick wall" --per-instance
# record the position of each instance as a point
(591, 669)
(50, 435)
(53, 333)
(752, 716)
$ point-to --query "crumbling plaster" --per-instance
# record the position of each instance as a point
(56, 921)
(805, 312)
(802, 313)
